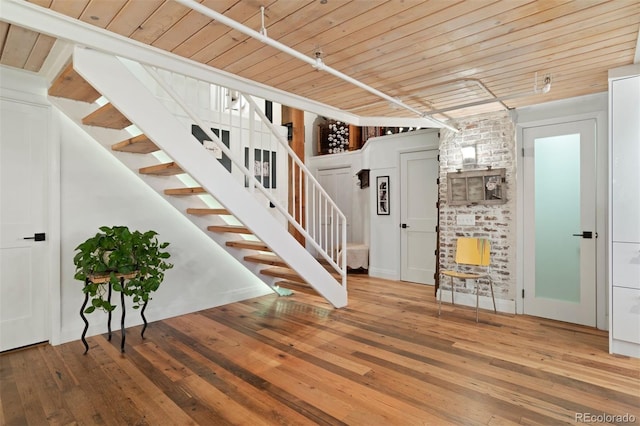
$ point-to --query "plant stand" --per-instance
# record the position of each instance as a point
(105, 279)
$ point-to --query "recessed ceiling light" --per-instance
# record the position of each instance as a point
(95, 18)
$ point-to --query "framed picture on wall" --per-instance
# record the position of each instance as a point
(264, 167)
(210, 146)
(382, 195)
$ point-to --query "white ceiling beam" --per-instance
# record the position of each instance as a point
(54, 24)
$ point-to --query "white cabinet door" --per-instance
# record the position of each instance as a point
(626, 315)
(626, 265)
(625, 113)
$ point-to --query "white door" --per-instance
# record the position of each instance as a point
(24, 288)
(339, 186)
(418, 215)
(560, 222)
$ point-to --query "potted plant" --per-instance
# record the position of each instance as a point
(114, 252)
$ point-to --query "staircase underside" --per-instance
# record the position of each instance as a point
(251, 251)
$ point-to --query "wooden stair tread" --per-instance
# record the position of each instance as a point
(237, 229)
(185, 191)
(107, 116)
(140, 144)
(207, 211)
(70, 85)
(165, 169)
(290, 274)
(298, 287)
(248, 244)
(266, 259)
(280, 272)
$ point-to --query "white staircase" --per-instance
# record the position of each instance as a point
(166, 155)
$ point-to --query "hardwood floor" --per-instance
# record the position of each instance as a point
(386, 359)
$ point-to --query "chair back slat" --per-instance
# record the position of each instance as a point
(473, 251)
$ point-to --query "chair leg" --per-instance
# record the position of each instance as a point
(492, 297)
(477, 298)
(452, 291)
(439, 298)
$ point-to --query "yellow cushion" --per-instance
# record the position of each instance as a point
(473, 251)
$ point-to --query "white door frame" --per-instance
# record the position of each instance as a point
(25, 95)
(601, 208)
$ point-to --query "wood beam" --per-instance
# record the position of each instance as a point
(296, 192)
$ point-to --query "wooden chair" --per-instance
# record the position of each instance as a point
(471, 252)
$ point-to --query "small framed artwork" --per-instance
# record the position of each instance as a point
(264, 167)
(210, 146)
(382, 195)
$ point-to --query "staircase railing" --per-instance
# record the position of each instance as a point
(323, 225)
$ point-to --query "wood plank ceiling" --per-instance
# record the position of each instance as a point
(433, 55)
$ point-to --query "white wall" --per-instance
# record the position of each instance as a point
(382, 156)
(96, 190)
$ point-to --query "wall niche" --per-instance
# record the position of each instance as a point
(476, 187)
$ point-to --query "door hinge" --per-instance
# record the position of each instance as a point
(436, 228)
(523, 152)
(438, 181)
(523, 293)
(438, 158)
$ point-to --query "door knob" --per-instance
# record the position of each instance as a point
(40, 236)
(404, 225)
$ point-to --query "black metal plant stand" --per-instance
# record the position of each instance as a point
(106, 280)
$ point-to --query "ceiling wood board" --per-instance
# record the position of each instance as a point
(101, 12)
(456, 64)
(72, 8)
(17, 46)
(39, 53)
(414, 50)
(285, 31)
(4, 30)
(132, 15)
(191, 23)
(378, 21)
(159, 22)
(200, 40)
(362, 55)
(234, 39)
(518, 68)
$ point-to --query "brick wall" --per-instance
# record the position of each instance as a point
(494, 137)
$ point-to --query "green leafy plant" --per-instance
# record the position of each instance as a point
(117, 250)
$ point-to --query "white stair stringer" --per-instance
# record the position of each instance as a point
(111, 78)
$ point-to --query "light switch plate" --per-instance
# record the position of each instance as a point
(466, 219)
